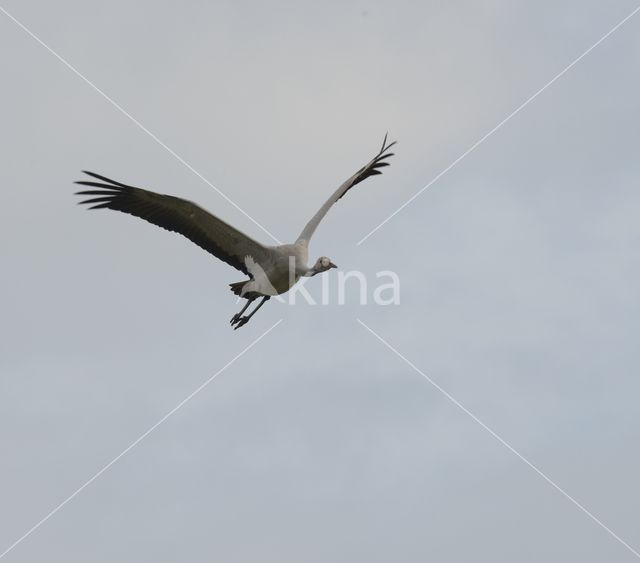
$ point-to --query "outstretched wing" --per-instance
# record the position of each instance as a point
(371, 169)
(178, 215)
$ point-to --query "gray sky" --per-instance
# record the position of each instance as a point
(519, 272)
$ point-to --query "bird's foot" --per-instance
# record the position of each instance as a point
(241, 322)
(235, 318)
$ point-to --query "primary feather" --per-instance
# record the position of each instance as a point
(174, 214)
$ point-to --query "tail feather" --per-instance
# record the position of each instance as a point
(236, 287)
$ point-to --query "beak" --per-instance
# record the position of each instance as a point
(332, 265)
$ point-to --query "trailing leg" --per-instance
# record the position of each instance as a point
(244, 320)
(237, 316)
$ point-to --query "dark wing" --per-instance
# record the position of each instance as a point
(178, 215)
(371, 169)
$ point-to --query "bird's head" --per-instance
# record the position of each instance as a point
(322, 265)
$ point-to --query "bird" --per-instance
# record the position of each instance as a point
(272, 270)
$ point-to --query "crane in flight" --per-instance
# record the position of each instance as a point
(272, 270)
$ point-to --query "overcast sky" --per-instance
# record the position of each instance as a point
(519, 283)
